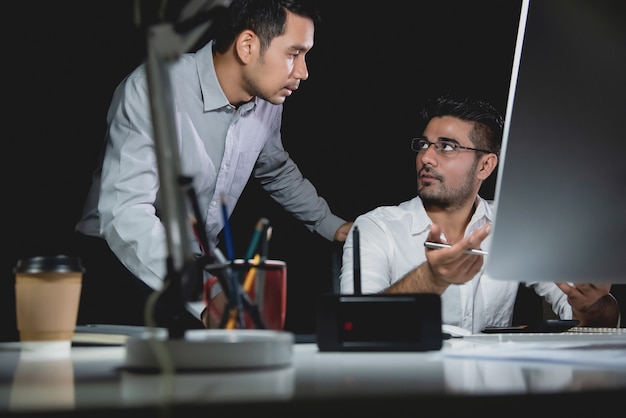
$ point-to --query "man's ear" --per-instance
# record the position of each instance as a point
(488, 163)
(246, 45)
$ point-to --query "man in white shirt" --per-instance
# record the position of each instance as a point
(457, 151)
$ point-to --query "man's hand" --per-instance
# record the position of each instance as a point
(592, 304)
(342, 232)
(453, 265)
(215, 303)
(445, 266)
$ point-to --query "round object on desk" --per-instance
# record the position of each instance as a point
(210, 349)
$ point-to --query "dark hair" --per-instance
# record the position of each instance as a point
(487, 121)
(267, 18)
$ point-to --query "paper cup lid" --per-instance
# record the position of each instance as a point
(49, 263)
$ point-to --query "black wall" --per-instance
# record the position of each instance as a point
(348, 126)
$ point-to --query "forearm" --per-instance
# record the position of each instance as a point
(419, 280)
(603, 313)
(299, 197)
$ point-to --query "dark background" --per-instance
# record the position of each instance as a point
(348, 126)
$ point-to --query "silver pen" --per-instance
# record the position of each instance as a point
(438, 245)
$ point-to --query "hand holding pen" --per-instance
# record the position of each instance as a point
(467, 244)
(458, 263)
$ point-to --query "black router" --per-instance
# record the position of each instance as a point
(377, 322)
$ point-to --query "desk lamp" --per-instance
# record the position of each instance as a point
(173, 345)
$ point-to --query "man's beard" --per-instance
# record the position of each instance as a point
(445, 198)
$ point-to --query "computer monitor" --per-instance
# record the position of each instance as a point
(560, 197)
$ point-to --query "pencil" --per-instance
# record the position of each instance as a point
(247, 285)
(258, 230)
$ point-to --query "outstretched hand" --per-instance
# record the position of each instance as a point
(444, 266)
(453, 265)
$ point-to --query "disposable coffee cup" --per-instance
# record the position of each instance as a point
(47, 296)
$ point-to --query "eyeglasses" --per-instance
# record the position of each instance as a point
(446, 147)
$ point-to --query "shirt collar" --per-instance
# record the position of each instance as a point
(421, 222)
(212, 94)
(484, 209)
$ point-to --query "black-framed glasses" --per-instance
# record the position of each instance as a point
(447, 147)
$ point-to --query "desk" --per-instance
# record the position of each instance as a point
(92, 381)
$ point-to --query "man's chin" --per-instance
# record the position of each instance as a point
(428, 199)
(276, 100)
(426, 191)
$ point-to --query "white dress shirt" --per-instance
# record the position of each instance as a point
(392, 244)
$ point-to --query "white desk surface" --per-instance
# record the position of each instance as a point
(466, 374)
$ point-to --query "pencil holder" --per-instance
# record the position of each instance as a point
(265, 286)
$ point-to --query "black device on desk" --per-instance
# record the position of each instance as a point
(546, 326)
(377, 322)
